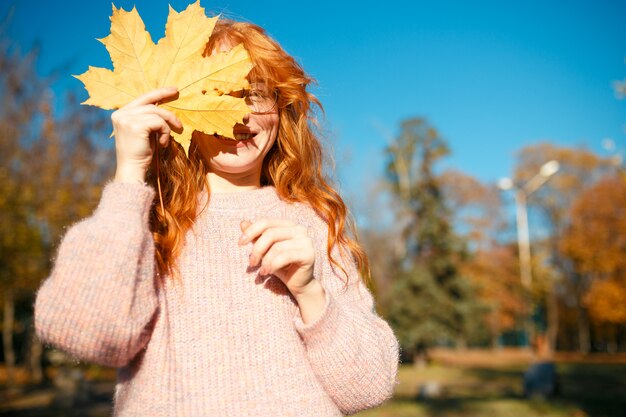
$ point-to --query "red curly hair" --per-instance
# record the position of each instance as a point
(294, 165)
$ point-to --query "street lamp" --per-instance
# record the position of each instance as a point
(522, 193)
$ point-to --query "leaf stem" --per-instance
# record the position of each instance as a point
(158, 172)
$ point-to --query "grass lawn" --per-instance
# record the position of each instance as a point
(484, 389)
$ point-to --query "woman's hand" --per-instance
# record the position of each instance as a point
(284, 249)
(133, 126)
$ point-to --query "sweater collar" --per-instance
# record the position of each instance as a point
(240, 200)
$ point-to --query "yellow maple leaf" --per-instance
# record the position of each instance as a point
(140, 65)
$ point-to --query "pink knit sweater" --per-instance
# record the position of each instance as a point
(224, 341)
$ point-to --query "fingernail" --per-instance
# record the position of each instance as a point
(172, 88)
(243, 239)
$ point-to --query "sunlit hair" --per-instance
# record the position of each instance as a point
(294, 165)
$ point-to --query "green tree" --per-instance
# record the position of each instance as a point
(429, 302)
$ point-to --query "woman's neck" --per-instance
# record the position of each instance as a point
(233, 183)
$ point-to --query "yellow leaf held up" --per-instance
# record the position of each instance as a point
(140, 65)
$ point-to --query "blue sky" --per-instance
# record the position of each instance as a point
(491, 76)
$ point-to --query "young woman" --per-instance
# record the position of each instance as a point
(244, 296)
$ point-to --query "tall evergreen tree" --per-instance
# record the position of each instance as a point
(430, 302)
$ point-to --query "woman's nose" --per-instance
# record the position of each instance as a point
(246, 118)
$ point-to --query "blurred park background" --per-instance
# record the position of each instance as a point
(480, 147)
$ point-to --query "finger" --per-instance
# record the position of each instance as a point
(275, 262)
(164, 138)
(153, 110)
(270, 238)
(259, 226)
(160, 127)
(165, 114)
(154, 96)
(269, 263)
(164, 134)
(244, 225)
(156, 124)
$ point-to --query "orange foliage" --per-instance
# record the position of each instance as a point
(579, 168)
(495, 273)
(606, 301)
(576, 164)
(596, 239)
(596, 243)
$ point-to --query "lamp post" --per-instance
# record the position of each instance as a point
(522, 192)
(521, 197)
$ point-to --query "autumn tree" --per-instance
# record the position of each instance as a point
(430, 301)
(495, 274)
(51, 171)
(595, 243)
(20, 95)
(579, 168)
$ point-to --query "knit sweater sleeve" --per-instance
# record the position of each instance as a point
(353, 351)
(99, 303)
